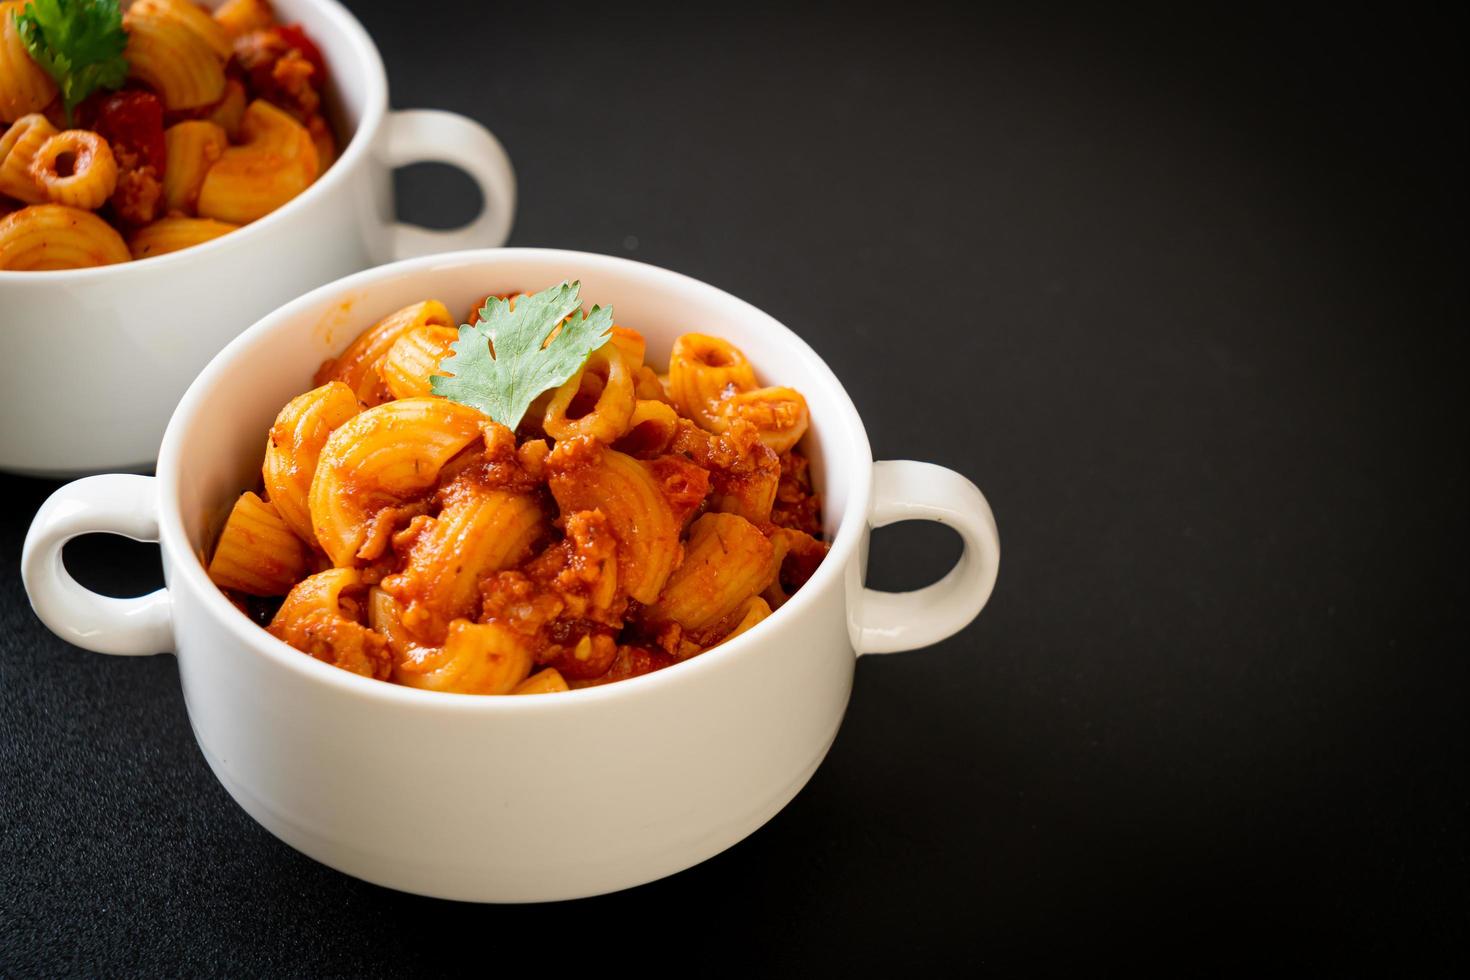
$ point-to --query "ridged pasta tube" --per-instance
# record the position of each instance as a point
(192, 147)
(646, 503)
(414, 358)
(727, 560)
(173, 58)
(172, 234)
(703, 371)
(25, 87)
(75, 168)
(243, 16)
(712, 383)
(778, 414)
(229, 112)
(651, 428)
(192, 16)
(18, 148)
(597, 401)
(356, 366)
(294, 446)
(321, 617)
(478, 531)
(548, 681)
(475, 658)
(53, 236)
(379, 459)
(257, 553)
(276, 162)
(749, 614)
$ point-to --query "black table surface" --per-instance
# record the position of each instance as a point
(1185, 297)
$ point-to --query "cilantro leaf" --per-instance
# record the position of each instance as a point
(503, 362)
(78, 42)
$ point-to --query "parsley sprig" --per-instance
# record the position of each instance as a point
(501, 363)
(78, 42)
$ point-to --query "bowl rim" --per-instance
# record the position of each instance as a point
(375, 102)
(183, 562)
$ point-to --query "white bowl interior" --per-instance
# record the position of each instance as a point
(214, 445)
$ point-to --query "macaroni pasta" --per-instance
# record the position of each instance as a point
(218, 123)
(619, 529)
(24, 85)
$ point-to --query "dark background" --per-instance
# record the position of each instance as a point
(1183, 292)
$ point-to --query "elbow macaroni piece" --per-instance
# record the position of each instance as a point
(229, 112)
(548, 681)
(276, 162)
(378, 459)
(172, 234)
(750, 495)
(52, 236)
(648, 386)
(702, 371)
(797, 556)
(294, 446)
(750, 613)
(174, 60)
(778, 414)
(727, 561)
(596, 402)
(25, 87)
(712, 382)
(414, 358)
(19, 146)
(191, 148)
(321, 616)
(356, 367)
(243, 16)
(651, 428)
(385, 616)
(630, 345)
(474, 658)
(745, 473)
(75, 168)
(257, 553)
(588, 476)
(193, 17)
(476, 533)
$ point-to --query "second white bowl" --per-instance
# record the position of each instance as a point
(94, 360)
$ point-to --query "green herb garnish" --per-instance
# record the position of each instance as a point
(79, 42)
(503, 362)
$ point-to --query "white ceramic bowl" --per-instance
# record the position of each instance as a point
(94, 360)
(506, 799)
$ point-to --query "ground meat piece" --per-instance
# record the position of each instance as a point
(797, 505)
(139, 195)
(132, 123)
(631, 661)
(340, 642)
(280, 71)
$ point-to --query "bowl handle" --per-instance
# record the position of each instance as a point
(114, 504)
(904, 490)
(433, 136)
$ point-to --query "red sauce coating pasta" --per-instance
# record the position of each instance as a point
(466, 557)
(154, 187)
